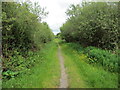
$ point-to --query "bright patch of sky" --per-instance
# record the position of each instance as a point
(56, 9)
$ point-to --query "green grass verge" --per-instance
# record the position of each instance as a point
(84, 75)
(45, 73)
(74, 78)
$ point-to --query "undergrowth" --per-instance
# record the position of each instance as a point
(93, 76)
(98, 57)
(44, 73)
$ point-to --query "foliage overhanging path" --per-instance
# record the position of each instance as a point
(63, 79)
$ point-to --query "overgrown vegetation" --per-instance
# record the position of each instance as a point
(104, 58)
(93, 24)
(98, 57)
(23, 33)
(44, 74)
(81, 74)
(93, 29)
(90, 44)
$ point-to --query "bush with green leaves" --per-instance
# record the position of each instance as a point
(93, 24)
(23, 31)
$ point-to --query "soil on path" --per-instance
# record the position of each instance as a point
(63, 79)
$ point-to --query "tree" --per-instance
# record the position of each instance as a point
(92, 24)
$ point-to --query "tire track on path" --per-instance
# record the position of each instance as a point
(63, 79)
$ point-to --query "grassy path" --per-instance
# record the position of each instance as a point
(74, 77)
(61, 68)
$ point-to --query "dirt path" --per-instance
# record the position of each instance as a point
(63, 79)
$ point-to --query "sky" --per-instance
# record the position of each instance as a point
(56, 9)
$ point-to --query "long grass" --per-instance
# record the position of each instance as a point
(45, 73)
(84, 75)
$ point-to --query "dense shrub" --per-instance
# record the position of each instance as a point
(93, 24)
(23, 32)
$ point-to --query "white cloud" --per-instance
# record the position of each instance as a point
(57, 9)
